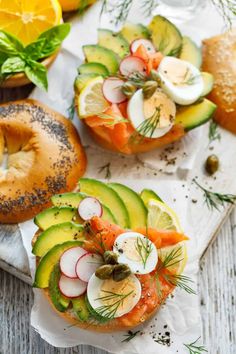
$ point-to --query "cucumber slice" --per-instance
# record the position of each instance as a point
(165, 36)
(113, 41)
(93, 68)
(99, 54)
(190, 52)
(132, 31)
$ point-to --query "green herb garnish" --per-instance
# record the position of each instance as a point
(216, 200)
(107, 170)
(112, 119)
(16, 58)
(129, 336)
(172, 258)
(180, 281)
(194, 348)
(71, 109)
(147, 128)
(213, 133)
(109, 311)
(144, 249)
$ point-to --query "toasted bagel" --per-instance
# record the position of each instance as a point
(219, 57)
(40, 155)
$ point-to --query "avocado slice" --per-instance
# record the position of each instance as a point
(60, 302)
(134, 204)
(132, 31)
(47, 263)
(196, 114)
(56, 234)
(107, 196)
(73, 199)
(82, 80)
(148, 194)
(97, 53)
(55, 215)
(113, 41)
(208, 81)
(93, 68)
(165, 36)
(80, 308)
(190, 52)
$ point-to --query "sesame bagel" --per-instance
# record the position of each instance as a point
(219, 55)
(40, 155)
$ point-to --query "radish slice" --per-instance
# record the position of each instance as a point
(89, 207)
(87, 265)
(132, 64)
(145, 42)
(71, 287)
(112, 90)
(69, 259)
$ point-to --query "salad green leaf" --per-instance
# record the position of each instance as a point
(37, 73)
(13, 65)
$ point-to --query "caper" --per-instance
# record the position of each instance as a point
(104, 271)
(110, 257)
(155, 76)
(120, 272)
(212, 164)
(149, 88)
(129, 89)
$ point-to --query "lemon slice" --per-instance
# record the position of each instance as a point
(162, 217)
(178, 255)
(26, 20)
(91, 100)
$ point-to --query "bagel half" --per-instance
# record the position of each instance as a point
(40, 155)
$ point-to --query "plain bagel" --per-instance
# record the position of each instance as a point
(40, 155)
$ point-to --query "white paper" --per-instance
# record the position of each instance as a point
(181, 314)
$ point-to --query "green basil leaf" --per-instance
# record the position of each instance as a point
(37, 73)
(3, 57)
(48, 42)
(13, 65)
(9, 44)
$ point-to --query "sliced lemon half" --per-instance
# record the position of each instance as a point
(91, 100)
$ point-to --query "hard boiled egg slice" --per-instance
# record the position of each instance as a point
(111, 299)
(137, 251)
(181, 80)
(152, 117)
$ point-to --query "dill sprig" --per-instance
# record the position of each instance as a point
(109, 311)
(216, 200)
(144, 249)
(227, 10)
(112, 119)
(194, 348)
(188, 79)
(147, 128)
(148, 6)
(213, 133)
(129, 336)
(180, 281)
(107, 170)
(90, 234)
(170, 259)
(71, 110)
(118, 9)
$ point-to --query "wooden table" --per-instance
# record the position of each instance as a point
(217, 287)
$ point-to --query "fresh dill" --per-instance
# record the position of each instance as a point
(71, 110)
(107, 170)
(227, 10)
(144, 249)
(90, 234)
(109, 311)
(194, 348)
(170, 259)
(129, 336)
(188, 78)
(118, 9)
(147, 128)
(180, 281)
(213, 133)
(148, 6)
(112, 119)
(216, 200)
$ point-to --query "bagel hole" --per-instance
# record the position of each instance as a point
(16, 152)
